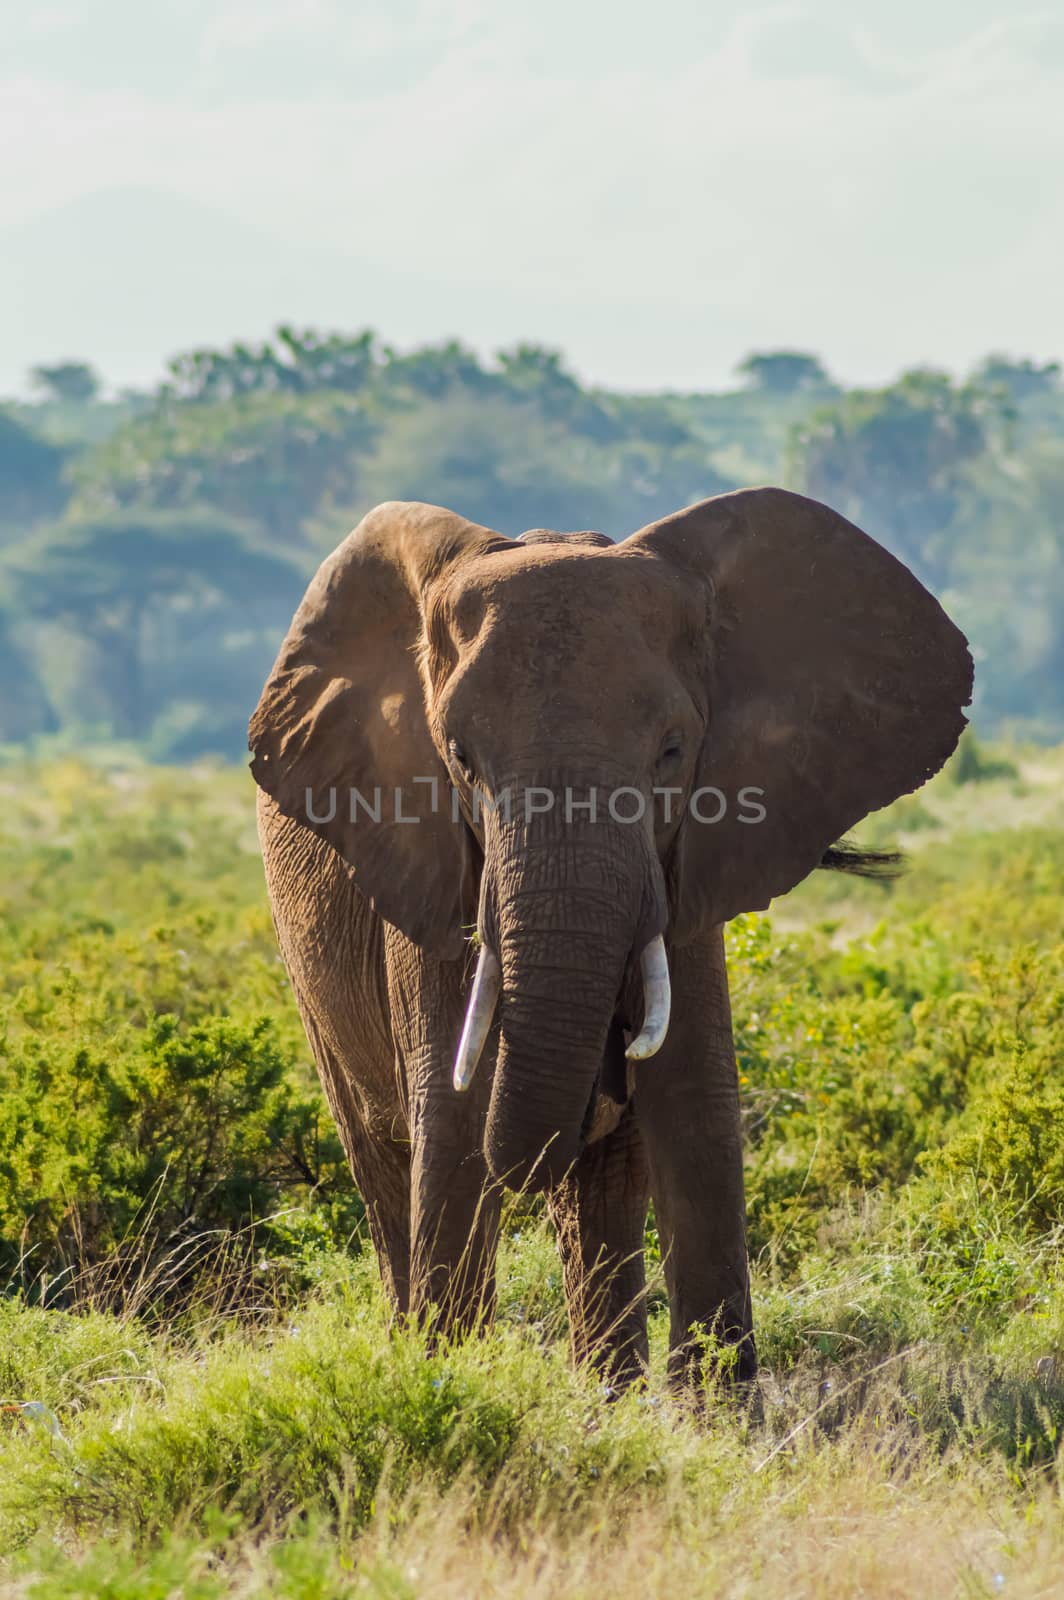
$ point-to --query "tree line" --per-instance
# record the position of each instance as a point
(154, 544)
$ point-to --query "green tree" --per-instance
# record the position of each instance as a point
(437, 370)
(1006, 586)
(506, 464)
(300, 362)
(272, 457)
(31, 477)
(168, 609)
(69, 382)
(24, 707)
(1021, 379)
(897, 461)
(784, 372)
(535, 373)
(329, 361)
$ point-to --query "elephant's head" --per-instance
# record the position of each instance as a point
(758, 661)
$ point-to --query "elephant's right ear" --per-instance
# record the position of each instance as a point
(340, 738)
(833, 683)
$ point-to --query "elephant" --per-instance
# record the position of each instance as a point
(509, 793)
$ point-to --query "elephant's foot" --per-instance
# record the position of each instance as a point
(715, 1361)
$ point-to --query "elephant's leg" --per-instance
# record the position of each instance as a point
(454, 1206)
(454, 1210)
(600, 1211)
(687, 1107)
(377, 1148)
(333, 948)
(381, 1170)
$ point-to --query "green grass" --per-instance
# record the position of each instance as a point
(269, 1459)
(216, 1403)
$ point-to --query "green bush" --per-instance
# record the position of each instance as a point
(899, 1050)
(155, 1087)
(174, 1129)
(1015, 1150)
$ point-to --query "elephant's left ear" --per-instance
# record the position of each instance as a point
(341, 738)
(835, 683)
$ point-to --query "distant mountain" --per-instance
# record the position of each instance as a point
(125, 277)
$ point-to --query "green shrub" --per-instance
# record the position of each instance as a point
(155, 1085)
(173, 1129)
(1011, 1149)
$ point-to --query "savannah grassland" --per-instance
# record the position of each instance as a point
(202, 1396)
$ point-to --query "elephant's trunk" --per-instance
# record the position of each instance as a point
(569, 904)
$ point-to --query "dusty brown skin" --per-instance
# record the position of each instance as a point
(755, 640)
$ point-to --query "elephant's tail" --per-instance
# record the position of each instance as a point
(848, 857)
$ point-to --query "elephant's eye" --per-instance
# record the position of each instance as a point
(671, 750)
(459, 757)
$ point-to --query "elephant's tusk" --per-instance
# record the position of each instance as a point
(657, 1002)
(483, 999)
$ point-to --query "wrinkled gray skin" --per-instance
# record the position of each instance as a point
(755, 640)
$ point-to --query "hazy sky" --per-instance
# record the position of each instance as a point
(656, 187)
